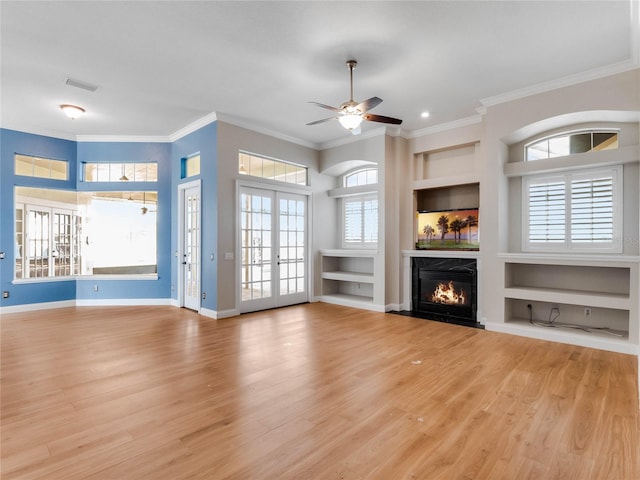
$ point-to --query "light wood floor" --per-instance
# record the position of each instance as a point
(308, 392)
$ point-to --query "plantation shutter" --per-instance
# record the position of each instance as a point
(592, 210)
(353, 221)
(546, 212)
(577, 211)
(361, 221)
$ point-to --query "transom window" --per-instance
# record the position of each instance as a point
(367, 176)
(29, 166)
(191, 166)
(574, 211)
(120, 172)
(272, 169)
(570, 143)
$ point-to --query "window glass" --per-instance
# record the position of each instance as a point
(120, 172)
(61, 233)
(367, 176)
(41, 167)
(191, 166)
(571, 143)
(272, 169)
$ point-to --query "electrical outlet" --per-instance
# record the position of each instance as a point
(204, 296)
(1, 255)
(5, 294)
(587, 312)
(95, 288)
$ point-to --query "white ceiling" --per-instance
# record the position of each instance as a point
(160, 66)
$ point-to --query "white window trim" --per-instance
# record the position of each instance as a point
(613, 247)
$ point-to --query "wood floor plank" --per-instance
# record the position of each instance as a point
(313, 391)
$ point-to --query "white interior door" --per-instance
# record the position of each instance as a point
(273, 244)
(191, 248)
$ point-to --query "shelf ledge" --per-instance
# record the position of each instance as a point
(600, 341)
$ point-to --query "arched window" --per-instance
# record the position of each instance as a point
(570, 143)
(570, 209)
(366, 176)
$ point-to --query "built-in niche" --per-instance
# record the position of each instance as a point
(454, 197)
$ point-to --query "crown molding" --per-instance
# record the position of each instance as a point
(41, 131)
(463, 122)
(122, 138)
(192, 127)
(238, 122)
(567, 81)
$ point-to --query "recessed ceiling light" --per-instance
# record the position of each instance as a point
(72, 111)
(425, 114)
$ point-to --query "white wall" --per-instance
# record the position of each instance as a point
(232, 139)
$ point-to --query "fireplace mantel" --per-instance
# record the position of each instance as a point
(441, 253)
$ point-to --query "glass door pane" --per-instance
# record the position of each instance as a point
(292, 209)
(256, 218)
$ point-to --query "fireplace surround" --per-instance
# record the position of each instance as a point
(445, 289)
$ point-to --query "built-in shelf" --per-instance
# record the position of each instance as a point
(575, 297)
(349, 278)
(574, 285)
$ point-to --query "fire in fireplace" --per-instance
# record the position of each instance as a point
(447, 293)
(445, 288)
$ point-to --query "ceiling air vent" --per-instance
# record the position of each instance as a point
(79, 84)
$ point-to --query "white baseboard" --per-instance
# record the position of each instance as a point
(393, 307)
(120, 302)
(113, 302)
(31, 307)
(205, 312)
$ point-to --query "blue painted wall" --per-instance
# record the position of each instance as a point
(109, 152)
(12, 142)
(203, 141)
(75, 153)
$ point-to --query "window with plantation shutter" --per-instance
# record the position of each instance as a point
(576, 211)
(361, 221)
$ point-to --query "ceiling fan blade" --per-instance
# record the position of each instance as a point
(322, 121)
(328, 107)
(381, 118)
(369, 104)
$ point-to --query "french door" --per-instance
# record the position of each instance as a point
(273, 247)
(191, 248)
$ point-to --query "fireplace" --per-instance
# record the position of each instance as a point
(445, 288)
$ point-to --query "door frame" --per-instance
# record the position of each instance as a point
(273, 187)
(182, 188)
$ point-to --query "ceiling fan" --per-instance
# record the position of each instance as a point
(351, 113)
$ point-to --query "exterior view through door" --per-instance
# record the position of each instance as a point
(191, 258)
(273, 266)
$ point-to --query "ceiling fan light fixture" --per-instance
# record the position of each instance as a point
(350, 121)
(72, 111)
